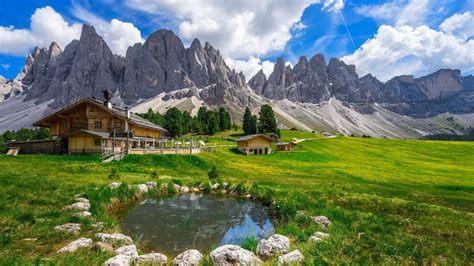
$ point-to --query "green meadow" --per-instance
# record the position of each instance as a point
(390, 201)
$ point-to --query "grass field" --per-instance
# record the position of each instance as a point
(390, 201)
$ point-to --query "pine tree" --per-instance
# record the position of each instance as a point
(253, 125)
(212, 123)
(174, 122)
(187, 122)
(202, 117)
(246, 126)
(266, 121)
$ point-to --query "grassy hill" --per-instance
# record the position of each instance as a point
(390, 201)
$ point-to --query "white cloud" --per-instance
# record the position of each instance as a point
(47, 26)
(461, 25)
(6, 66)
(251, 66)
(407, 50)
(119, 35)
(398, 12)
(240, 29)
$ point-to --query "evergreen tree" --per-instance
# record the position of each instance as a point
(41, 133)
(24, 134)
(266, 121)
(196, 125)
(174, 122)
(202, 117)
(187, 122)
(212, 123)
(253, 125)
(9, 135)
(246, 126)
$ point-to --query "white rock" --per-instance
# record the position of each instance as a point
(184, 189)
(290, 258)
(214, 186)
(81, 206)
(188, 258)
(322, 221)
(318, 236)
(276, 244)
(142, 188)
(83, 214)
(248, 196)
(69, 227)
(151, 258)
(152, 185)
(112, 238)
(195, 190)
(114, 185)
(130, 250)
(76, 244)
(82, 200)
(177, 187)
(233, 255)
(119, 260)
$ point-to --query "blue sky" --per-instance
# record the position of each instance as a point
(385, 38)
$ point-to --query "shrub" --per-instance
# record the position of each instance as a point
(177, 182)
(206, 187)
(154, 174)
(114, 174)
(249, 243)
(171, 189)
(213, 173)
(240, 188)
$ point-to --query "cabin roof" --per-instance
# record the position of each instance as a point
(249, 137)
(117, 111)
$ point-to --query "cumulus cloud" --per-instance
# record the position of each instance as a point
(47, 26)
(251, 66)
(240, 29)
(461, 25)
(398, 12)
(411, 50)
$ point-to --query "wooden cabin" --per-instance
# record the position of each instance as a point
(285, 146)
(93, 126)
(257, 144)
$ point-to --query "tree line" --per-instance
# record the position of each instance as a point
(24, 134)
(178, 123)
(264, 124)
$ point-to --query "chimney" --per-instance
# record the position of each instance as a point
(107, 97)
(127, 111)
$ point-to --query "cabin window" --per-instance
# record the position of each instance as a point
(79, 125)
(97, 141)
(251, 150)
(98, 124)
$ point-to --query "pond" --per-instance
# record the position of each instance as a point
(173, 224)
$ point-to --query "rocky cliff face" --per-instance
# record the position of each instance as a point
(314, 82)
(87, 66)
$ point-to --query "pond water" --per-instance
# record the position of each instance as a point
(173, 224)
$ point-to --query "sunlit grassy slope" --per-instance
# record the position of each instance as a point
(391, 201)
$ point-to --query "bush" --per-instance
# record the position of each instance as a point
(240, 188)
(206, 187)
(114, 174)
(249, 243)
(171, 189)
(154, 174)
(213, 173)
(177, 182)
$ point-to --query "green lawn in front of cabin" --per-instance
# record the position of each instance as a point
(390, 201)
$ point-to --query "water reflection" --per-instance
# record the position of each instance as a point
(174, 224)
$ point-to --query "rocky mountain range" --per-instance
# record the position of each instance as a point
(162, 72)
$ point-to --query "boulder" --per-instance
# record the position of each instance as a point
(152, 258)
(69, 227)
(130, 250)
(119, 260)
(233, 255)
(184, 189)
(188, 258)
(82, 200)
(323, 221)
(142, 188)
(80, 206)
(214, 186)
(177, 187)
(83, 214)
(102, 246)
(114, 185)
(290, 258)
(114, 238)
(195, 190)
(76, 244)
(276, 244)
(152, 185)
(318, 236)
